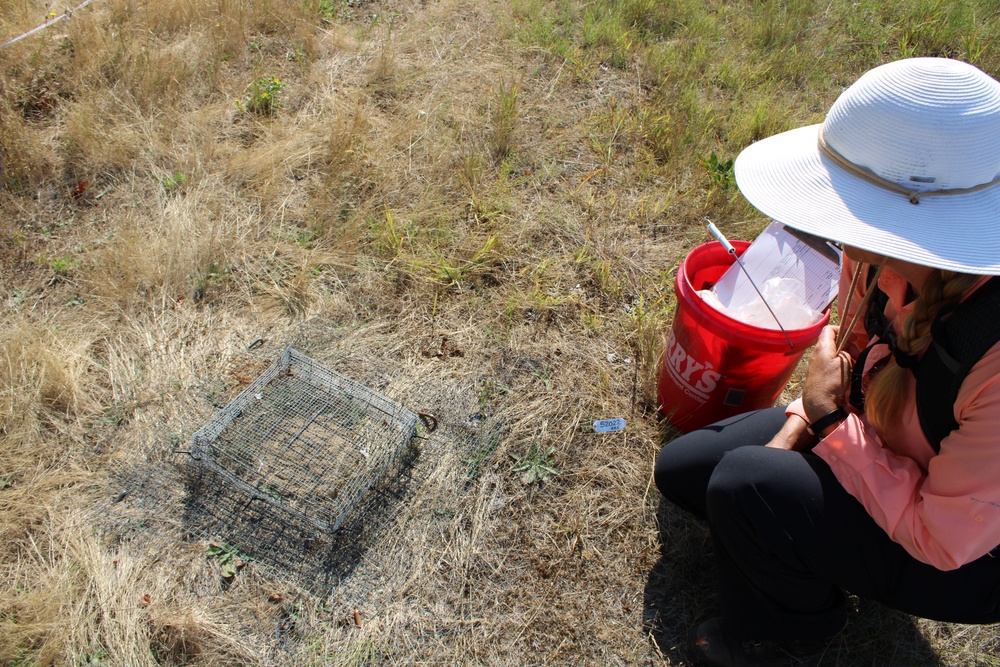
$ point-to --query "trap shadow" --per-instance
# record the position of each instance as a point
(680, 590)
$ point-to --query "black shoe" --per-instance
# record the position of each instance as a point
(712, 646)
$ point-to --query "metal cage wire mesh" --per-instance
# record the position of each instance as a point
(324, 482)
(305, 440)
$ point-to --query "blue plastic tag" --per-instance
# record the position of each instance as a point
(609, 425)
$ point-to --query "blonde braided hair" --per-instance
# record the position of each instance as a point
(886, 394)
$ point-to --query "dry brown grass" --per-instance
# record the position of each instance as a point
(496, 195)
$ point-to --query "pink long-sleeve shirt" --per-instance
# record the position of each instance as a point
(944, 508)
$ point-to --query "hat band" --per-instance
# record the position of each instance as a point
(913, 195)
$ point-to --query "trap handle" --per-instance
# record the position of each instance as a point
(429, 420)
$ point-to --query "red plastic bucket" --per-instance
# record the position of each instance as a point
(715, 366)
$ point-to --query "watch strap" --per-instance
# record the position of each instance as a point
(817, 427)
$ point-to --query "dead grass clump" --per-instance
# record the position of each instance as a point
(503, 118)
(26, 159)
(42, 378)
(186, 635)
(293, 298)
(382, 76)
(234, 19)
(115, 60)
(36, 93)
(26, 156)
(159, 80)
(186, 250)
(346, 135)
(72, 600)
(283, 155)
(105, 134)
(174, 16)
(52, 612)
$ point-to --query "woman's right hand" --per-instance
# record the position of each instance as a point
(828, 376)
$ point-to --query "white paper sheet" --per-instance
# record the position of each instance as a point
(805, 264)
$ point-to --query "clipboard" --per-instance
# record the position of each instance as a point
(811, 262)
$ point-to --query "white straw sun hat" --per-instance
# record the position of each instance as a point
(906, 165)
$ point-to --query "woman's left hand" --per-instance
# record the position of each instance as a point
(828, 376)
(793, 436)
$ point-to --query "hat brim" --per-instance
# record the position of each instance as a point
(787, 178)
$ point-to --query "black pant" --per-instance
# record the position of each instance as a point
(789, 540)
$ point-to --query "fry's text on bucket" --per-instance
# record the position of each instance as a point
(696, 379)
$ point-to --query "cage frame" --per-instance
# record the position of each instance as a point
(292, 363)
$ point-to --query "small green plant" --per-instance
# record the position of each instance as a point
(98, 657)
(390, 235)
(611, 130)
(328, 10)
(262, 97)
(171, 183)
(306, 237)
(476, 460)
(229, 558)
(61, 266)
(272, 490)
(490, 390)
(545, 375)
(454, 272)
(721, 172)
(592, 320)
(537, 465)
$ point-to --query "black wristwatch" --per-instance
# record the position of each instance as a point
(817, 427)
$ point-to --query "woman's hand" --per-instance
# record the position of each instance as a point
(828, 376)
(793, 436)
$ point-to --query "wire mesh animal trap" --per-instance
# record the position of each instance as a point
(326, 483)
(305, 440)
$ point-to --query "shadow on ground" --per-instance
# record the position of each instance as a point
(680, 590)
(314, 559)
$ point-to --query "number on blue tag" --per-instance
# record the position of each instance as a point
(609, 425)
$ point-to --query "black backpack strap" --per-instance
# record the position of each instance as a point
(961, 336)
(877, 326)
(857, 395)
(876, 323)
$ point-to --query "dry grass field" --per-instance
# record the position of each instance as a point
(489, 196)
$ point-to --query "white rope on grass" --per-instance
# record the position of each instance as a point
(65, 16)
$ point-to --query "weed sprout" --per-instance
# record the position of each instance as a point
(262, 97)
